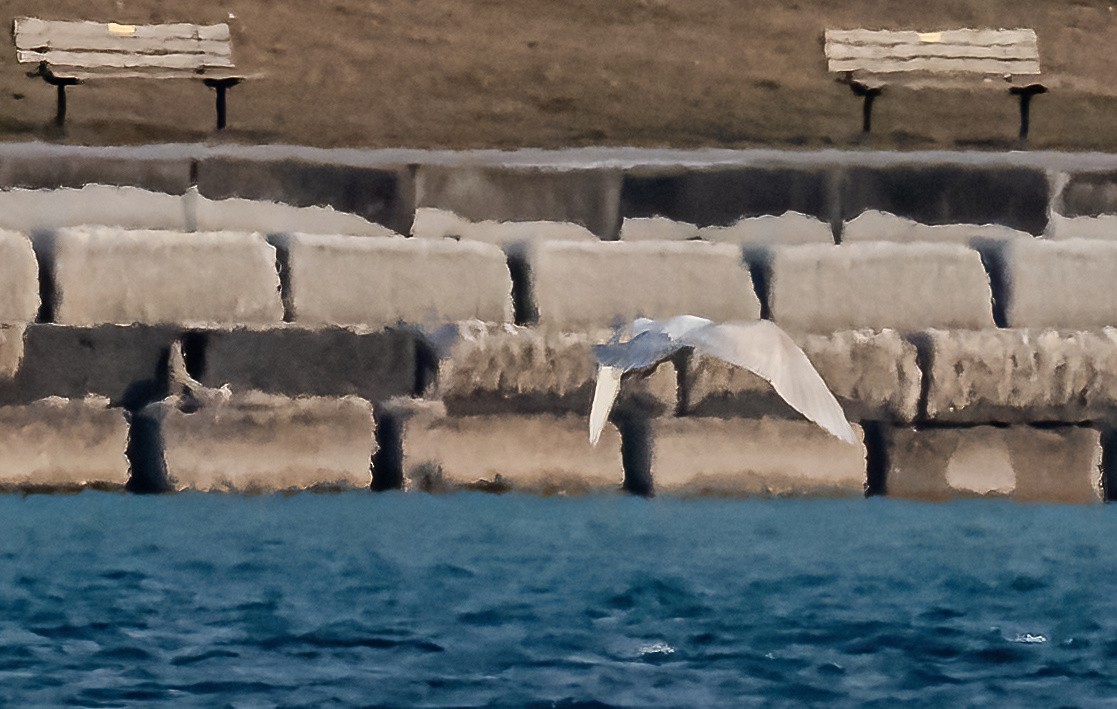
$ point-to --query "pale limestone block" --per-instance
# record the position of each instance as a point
(19, 279)
(510, 369)
(1061, 284)
(713, 456)
(881, 285)
(1024, 463)
(260, 442)
(771, 229)
(1020, 376)
(105, 275)
(1103, 226)
(11, 349)
(433, 223)
(339, 280)
(883, 226)
(535, 453)
(874, 376)
(581, 286)
(125, 207)
(63, 443)
(657, 229)
(237, 214)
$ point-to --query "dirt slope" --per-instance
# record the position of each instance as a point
(550, 73)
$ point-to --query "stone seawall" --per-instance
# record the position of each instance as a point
(268, 324)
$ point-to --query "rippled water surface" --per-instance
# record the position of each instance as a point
(474, 600)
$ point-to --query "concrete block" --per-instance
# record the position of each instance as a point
(1059, 284)
(57, 443)
(1020, 376)
(337, 280)
(520, 370)
(1103, 226)
(298, 361)
(787, 228)
(712, 456)
(383, 196)
(125, 364)
(105, 275)
(236, 214)
(431, 223)
(523, 194)
(723, 196)
(1016, 197)
(260, 442)
(874, 376)
(125, 207)
(19, 279)
(581, 286)
(539, 454)
(1089, 194)
(11, 349)
(906, 287)
(1024, 463)
(881, 226)
(38, 172)
(770, 229)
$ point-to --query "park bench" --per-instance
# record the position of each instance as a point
(69, 53)
(867, 60)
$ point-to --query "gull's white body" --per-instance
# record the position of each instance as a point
(760, 347)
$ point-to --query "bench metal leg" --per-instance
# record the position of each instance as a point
(869, 94)
(1025, 94)
(221, 86)
(59, 83)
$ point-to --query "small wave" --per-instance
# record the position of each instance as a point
(1029, 639)
(657, 648)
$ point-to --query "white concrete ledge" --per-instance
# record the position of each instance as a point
(433, 223)
(338, 280)
(63, 443)
(1060, 284)
(1021, 462)
(883, 226)
(19, 279)
(106, 275)
(906, 287)
(695, 456)
(580, 286)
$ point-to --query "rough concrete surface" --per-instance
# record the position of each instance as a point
(1103, 226)
(586, 197)
(295, 360)
(337, 280)
(432, 223)
(873, 374)
(526, 370)
(259, 442)
(1025, 463)
(11, 349)
(63, 443)
(581, 286)
(874, 225)
(541, 454)
(167, 175)
(906, 287)
(1020, 376)
(786, 228)
(1061, 284)
(235, 214)
(126, 364)
(19, 278)
(126, 207)
(106, 275)
(711, 456)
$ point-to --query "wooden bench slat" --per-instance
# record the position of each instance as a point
(960, 36)
(939, 65)
(58, 59)
(913, 51)
(33, 30)
(133, 45)
(151, 73)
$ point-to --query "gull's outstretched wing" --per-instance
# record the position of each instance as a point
(645, 350)
(604, 394)
(764, 349)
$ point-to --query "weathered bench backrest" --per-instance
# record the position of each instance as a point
(958, 52)
(91, 49)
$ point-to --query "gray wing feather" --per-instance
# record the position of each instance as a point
(645, 350)
(764, 349)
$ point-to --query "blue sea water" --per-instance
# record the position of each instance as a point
(361, 599)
